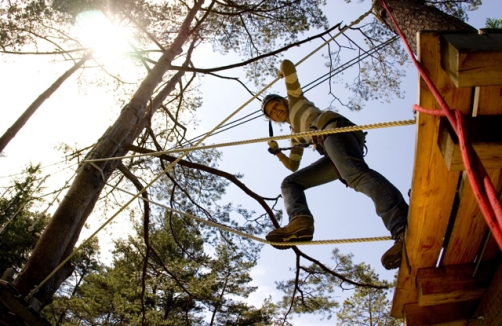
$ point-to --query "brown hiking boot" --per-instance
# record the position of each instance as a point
(391, 259)
(300, 228)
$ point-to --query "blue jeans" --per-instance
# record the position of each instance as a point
(344, 150)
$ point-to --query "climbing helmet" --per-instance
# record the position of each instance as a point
(267, 99)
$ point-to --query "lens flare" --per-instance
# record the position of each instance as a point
(97, 32)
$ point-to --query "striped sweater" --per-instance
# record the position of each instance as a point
(302, 114)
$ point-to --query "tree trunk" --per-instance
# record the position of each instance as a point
(60, 236)
(414, 16)
(20, 122)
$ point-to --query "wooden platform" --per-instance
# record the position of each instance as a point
(454, 276)
(15, 311)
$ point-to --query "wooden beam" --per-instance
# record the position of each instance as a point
(453, 283)
(472, 59)
(446, 314)
(489, 310)
(14, 302)
(483, 133)
(433, 187)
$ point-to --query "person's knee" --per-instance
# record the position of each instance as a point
(287, 182)
(356, 174)
(290, 182)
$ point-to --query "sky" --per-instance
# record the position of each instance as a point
(339, 212)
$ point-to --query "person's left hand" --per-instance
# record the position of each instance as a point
(273, 147)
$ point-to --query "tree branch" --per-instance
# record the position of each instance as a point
(230, 177)
(146, 222)
(21, 121)
(244, 63)
(340, 276)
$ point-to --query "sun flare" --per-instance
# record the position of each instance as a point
(94, 30)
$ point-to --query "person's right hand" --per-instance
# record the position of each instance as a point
(273, 147)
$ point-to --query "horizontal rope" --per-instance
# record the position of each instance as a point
(264, 139)
(185, 152)
(252, 237)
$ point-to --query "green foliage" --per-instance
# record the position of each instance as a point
(86, 262)
(20, 227)
(21, 21)
(251, 29)
(183, 284)
(379, 76)
(493, 23)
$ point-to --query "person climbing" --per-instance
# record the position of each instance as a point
(342, 160)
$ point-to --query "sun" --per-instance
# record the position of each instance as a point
(95, 31)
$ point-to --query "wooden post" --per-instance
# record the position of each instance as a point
(472, 59)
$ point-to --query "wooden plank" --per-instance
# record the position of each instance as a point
(433, 187)
(469, 230)
(483, 133)
(472, 59)
(488, 101)
(490, 155)
(489, 310)
(15, 303)
(469, 222)
(456, 313)
(455, 283)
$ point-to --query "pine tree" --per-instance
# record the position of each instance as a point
(20, 225)
(493, 23)
(86, 262)
(314, 290)
(181, 284)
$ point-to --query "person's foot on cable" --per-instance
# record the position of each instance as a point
(300, 228)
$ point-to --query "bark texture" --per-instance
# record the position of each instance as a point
(414, 16)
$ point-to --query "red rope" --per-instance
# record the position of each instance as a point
(481, 184)
(427, 111)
